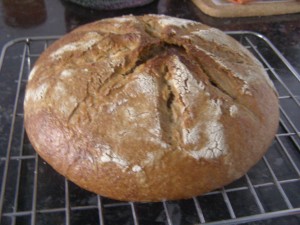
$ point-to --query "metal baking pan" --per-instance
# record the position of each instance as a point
(32, 193)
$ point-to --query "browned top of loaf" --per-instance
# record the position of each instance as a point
(148, 102)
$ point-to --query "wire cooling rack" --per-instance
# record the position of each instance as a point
(32, 193)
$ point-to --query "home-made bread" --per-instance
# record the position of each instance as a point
(149, 108)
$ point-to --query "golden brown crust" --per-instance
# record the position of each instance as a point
(149, 108)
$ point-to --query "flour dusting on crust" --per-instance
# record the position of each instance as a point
(184, 82)
(67, 107)
(191, 135)
(108, 155)
(112, 106)
(172, 21)
(67, 73)
(32, 73)
(233, 110)
(124, 19)
(89, 39)
(146, 84)
(36, 94)
(213, 129)
(213, 35)
(136, 168)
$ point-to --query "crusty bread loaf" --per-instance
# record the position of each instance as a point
(149, 108)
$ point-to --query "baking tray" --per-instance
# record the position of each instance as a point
(33, 193)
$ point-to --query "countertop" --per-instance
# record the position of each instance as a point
(56, 17)
(32, 18)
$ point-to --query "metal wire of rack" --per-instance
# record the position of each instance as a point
(32, 193)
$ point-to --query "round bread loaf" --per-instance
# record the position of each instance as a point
(149, 108)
